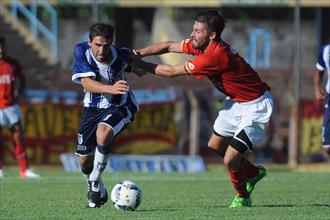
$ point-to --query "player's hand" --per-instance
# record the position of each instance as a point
(120, 87)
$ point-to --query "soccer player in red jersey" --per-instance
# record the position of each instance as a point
(10, 116)
(244, 118)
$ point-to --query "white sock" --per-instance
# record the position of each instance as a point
(102, 187)
(100, 162)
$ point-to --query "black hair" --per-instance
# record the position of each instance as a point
(214, 20)
(101, 30)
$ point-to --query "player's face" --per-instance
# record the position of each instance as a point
(200, 36)
(101, 48)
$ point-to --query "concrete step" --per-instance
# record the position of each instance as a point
(39, 74)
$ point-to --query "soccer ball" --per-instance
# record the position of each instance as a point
(126, 196)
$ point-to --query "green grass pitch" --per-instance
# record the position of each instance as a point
(283, 195)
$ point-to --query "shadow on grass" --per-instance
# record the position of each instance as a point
(226, 207)
(157, 210)
(274, 206)
(311, 205)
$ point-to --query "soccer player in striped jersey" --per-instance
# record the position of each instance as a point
(109, 104)
(244, 118)
(322, 66)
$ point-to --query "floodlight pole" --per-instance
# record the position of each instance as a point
(294, 117)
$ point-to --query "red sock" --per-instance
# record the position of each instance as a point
(248, 168)
(238, 179)
(21, 156)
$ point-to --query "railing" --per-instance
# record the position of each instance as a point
(36, 25)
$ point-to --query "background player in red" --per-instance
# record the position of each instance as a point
(10, 116)
(244, 118)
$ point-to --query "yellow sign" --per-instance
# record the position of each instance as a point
(51, 129)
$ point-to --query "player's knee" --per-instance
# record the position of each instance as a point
(228, 162)
(104, 136)
(231, 161)
(231, 164)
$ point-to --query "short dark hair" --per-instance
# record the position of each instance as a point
(2, 41)
(101, 30)
(214, 20)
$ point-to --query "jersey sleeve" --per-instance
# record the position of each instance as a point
(81, 67)
(187, 48)
(320, 64)
(126, 56)
(202, 65)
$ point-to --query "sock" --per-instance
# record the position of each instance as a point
(21, 156)
(100, 162)
(248, 168)
(238, 179)
(102, 187)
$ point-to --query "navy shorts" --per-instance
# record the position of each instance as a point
(116, 117)
(326, 122)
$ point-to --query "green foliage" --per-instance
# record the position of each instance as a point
(58, 195)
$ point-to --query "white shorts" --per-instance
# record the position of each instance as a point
(245, 122)
(10, 116)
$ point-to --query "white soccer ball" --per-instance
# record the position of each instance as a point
(126, 196)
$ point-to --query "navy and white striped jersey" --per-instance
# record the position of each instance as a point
(323, 63)
(85, 65)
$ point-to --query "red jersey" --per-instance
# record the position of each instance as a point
(9, 70)
(227, 70)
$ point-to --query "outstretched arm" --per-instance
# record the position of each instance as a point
(160, 69)
(160, 48)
